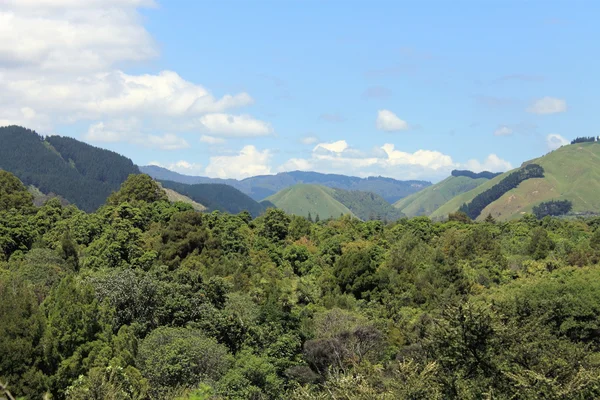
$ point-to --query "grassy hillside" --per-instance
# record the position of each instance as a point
(262, 186)
(431, 198)
(571, 173)
(302, 199)
(82, 174)
(173, 196)
(216, 196)
(326, 202)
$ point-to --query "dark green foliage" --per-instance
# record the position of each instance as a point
(473, 175)
(37, 162)
(13, 194)
(553, 208)
(482, 200)
(217, 197)
(138, 188)
(584, 139)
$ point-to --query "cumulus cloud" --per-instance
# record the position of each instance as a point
(389, 122)
(211, 139)
(182, 166)
(548, 105)
(235, 125)
(128, 130)
(554, 141)
(335, 147)
(503, 131)
(248, 162)
(386, 160)
(59, 64)
(492, 163)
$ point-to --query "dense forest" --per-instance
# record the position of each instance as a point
(482, 200)
(146, 299)
(475, 175)
(553, 207)
(82, 174)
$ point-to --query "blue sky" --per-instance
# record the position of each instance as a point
(407, 89)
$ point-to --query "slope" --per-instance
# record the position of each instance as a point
(216, 196)
(302, 199)
(262, 186)
(84, 175)
(431, 198)
(570, 173)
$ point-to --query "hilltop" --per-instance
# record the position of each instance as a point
(326, 202)
(262, 186)
(426, 201)
(571, 173)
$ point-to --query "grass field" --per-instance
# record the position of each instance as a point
(303, 198)
(570, 173)
(426, 201)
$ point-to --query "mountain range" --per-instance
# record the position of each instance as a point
(263, 186)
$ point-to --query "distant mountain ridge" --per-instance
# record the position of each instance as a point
(263, 186)
(304, 199)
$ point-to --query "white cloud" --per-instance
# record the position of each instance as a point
(211, 139)
(503, 131)
(492, 163)
(389, 122)
(309, 139)
(235, 125)
(335, 147)
(548, 105)
(59, 64)
(248, 162)
(386, 160)
(182, 166)
(554, 141)
(128, 130)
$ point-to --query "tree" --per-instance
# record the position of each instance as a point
(13, 194)
(136, 188)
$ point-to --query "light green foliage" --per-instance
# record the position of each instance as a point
(138, 188)
(13, 194)
(180, 357)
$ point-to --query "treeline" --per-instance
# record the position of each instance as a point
(584, 139)
(82, 174)
(482, 200)
(552, 208)
(473, 175)
(146, 299)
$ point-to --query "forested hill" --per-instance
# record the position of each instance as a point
(260, 187)
(84, 175)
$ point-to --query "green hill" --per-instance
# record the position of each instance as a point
(215, 196)
(302, 199)
(570, 173)
(82, 174)
(431, 198)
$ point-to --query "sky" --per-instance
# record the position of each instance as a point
(231, 89)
